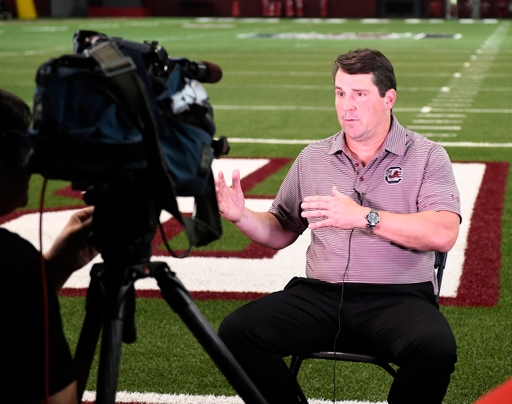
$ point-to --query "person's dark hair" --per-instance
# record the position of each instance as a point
(14, 112)
(15, 119)
(366, 61)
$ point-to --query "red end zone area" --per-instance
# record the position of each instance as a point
(477, 280)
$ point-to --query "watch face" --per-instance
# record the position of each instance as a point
(373, 219)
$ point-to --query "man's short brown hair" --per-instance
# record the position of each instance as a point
(366, 61)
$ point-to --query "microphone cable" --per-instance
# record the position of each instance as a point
(45, 299)
(339, 317)
(360, 197)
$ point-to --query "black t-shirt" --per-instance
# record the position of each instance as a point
(22, 324)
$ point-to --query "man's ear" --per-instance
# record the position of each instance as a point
(390, 98)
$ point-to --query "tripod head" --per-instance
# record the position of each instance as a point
(124, 225)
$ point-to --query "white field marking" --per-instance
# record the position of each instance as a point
(425, 110)
(469, 178)
(320, 20)
(229, 19)
(208, 26)
(154, 398)
(270, 141)
(506, 89)
(44, 28)
(429, 135)
(28, 226)
(474, 144)
(272, 108)
(308, 141)
(328, 20)
(374, 21)
(462, 89)
(417, 88)
(474, 110)
(248, 275)
(441, 115)
(438, 121)
(137, 23)
(451, 104)
(217, 19)
(429, 127)
(454, 97)
(323, 74)
(258, 20)
(273, 73)
(331, 88)
(98, 25)
(464, 97)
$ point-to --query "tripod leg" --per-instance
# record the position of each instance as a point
(110, 357)
(91, 328)
(119, 317)
(182, 303)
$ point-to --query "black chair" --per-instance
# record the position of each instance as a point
(296, 360)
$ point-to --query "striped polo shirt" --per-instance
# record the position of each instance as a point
(410, 174)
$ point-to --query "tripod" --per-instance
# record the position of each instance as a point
(124, 232)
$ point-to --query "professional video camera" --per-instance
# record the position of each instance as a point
(133, 128)
(119, 117)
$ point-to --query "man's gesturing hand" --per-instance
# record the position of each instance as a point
(336, 211)
(231, 200)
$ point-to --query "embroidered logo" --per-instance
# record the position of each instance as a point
(394, 175)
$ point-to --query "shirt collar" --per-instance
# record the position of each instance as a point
(394, 143)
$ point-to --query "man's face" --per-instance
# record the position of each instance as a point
(362, 113)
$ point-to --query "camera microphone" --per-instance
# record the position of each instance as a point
(204, 72)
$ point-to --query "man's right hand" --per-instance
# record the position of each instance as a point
(261, 227)
(231, 200)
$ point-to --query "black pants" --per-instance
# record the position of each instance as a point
(400, 322)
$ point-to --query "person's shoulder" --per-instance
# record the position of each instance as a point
(8, 236)
(324, 145)
(417, 140)
(10, 242)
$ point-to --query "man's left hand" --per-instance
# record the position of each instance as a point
(337, 210)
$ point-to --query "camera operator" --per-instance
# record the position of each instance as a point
(21, 290)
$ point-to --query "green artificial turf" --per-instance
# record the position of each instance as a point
(293, 77)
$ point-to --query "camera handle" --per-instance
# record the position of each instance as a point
(117, 316)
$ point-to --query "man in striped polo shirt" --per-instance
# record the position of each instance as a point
(379, 201)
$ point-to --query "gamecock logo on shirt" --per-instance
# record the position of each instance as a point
(394, 175)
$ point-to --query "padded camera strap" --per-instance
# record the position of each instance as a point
(121, 70)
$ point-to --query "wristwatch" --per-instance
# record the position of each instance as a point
(372, 219)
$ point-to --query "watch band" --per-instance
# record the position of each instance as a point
(372, 219)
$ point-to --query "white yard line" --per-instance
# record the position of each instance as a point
(308, 141)
(154, 398)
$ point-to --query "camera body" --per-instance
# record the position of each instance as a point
(119, 115)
